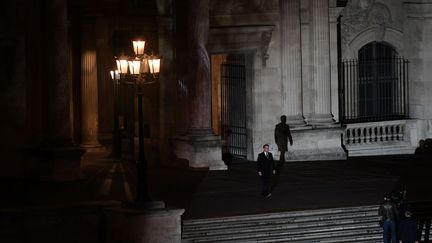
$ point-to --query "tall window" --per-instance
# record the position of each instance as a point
(374, 87)
(377, 78)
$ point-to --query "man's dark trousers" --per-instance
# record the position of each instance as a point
(265, 186)
(389, 226)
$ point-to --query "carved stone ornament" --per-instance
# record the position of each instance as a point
(360, 15)
(265, 41)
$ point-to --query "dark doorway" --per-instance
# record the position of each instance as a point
(233, 104)
(376, 79)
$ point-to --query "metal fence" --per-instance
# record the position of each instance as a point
(373, 90)
(233, 107)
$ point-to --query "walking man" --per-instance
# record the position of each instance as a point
(265, 169)
(282, 134)
(388, 213)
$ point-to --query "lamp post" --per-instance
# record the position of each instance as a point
(141, 70)
(116, 152)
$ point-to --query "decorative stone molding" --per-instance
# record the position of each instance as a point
(362, 15)
(241, 38)
(392, 36)
(220, 7)
(265, 41)
(418, 10)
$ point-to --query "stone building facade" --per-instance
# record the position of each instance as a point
(314, 61)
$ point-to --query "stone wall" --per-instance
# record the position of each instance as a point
(13, 87)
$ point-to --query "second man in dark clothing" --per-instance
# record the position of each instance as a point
(282, 134)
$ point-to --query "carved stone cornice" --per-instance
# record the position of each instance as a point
(222, 7)
(241, 38)
(334, 14)
(362, 15)
(418, 10)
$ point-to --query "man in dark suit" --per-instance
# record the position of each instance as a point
(265, 169)
(282, 134)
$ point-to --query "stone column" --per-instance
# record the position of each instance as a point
(199, 68)
(334, 14)
(291, 61)
(166, 81)
(58, 109)
(55, 157)
(89, 89)
(200, 146)
(320, 63)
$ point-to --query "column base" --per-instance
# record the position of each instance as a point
(201, 148)
(296, 121)
(62, 163)
(141, 225)
(93, 147)
(320, 119)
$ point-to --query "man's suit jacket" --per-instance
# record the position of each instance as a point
(265, 165)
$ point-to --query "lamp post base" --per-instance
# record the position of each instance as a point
(140, 225)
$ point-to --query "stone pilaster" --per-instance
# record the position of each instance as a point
(291, 61)
(199, 146)
(166, 82)
(58, 109)
(333, 16)
(89, 89)
(321, 84)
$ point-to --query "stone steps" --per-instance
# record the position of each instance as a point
(350, 224)
(343, 225)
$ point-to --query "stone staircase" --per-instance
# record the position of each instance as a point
(350, 224)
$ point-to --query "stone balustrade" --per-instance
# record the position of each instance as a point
(375, 133)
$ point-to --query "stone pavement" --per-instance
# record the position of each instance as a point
(301, 185)
(311, 185)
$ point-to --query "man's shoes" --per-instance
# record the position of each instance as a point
(268, 195)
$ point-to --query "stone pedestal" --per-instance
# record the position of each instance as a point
(204, 151)
(316, 144)
(139, 226)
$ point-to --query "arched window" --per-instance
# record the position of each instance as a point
(374, 87)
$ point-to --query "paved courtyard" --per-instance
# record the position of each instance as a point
(301, 185)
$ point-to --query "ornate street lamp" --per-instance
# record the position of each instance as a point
(142, 70)
(138, 46)
(115, 77)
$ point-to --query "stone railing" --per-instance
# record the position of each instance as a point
(374, 133)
